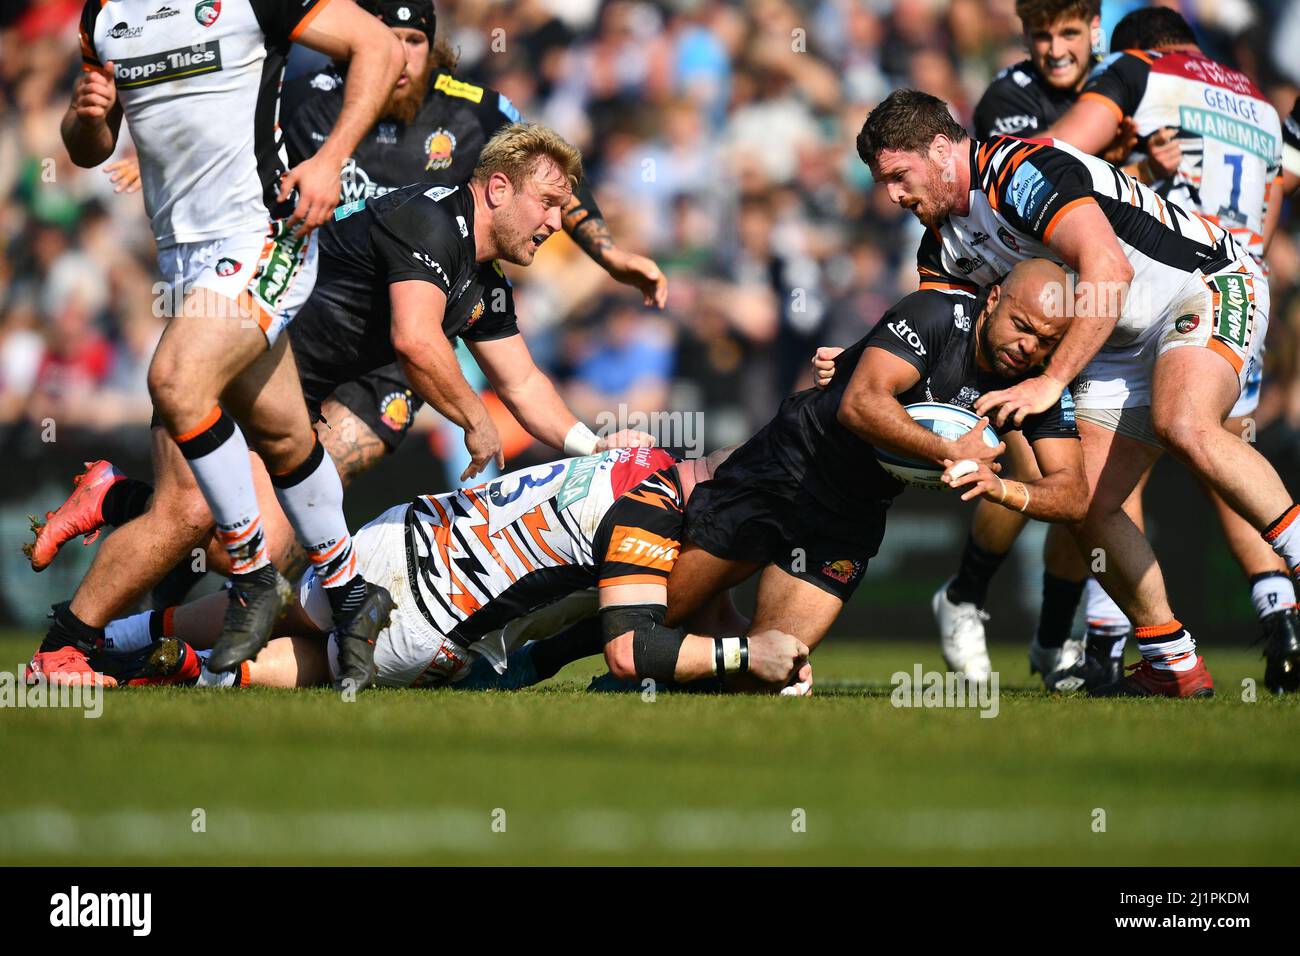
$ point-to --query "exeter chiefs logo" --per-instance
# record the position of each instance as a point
(842, 570)
(395, 410)
(475, 314)
(438, 148)
(207, 11)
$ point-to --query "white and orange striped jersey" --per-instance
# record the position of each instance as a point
(1231, 135)
(481, 557)
(1021, 188)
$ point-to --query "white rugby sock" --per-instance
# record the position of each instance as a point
(209, 678)
(128, 633)
(218, 456)
(1271, 592)
(312, 498)
(1169, 647)
(1284, 535)
(1102, 611)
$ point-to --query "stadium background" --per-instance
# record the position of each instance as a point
(719, 138)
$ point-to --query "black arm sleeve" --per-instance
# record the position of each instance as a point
(415, 241)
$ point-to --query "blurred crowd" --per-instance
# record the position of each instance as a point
(719, 137)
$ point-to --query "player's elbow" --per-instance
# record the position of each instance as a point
(619, 657)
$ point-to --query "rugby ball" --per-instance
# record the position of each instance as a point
(946, 421)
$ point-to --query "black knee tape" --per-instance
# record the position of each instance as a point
(655, 648)
(303, 471)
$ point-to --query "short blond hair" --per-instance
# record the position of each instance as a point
(515, 151)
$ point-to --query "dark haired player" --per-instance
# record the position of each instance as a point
(1176, 342)
(1025, 100)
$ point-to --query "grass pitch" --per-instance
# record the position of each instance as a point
(557, 775)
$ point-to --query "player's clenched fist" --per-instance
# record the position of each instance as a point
(823, 363)
(94, 94)
(775, 656)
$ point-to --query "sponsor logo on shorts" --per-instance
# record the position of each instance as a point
(843, 570)
(1008, 240)
(1235, 297)
(277, 270)
(169, 65)
(207, 11)
(1187, 323)
(979, 237)
(438, 149)
(967, 266)
(395, 410)
(227, 266)
(125, 32)
(904, 331)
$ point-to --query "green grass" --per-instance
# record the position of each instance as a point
(416, 776)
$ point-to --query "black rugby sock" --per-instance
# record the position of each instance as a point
(1060, 602)
(971, 585)
(125, 500)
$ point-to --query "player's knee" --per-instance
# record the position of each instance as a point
(620, 659)
(184, 509)
(1183, 432)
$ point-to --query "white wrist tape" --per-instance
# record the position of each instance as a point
(581, 440)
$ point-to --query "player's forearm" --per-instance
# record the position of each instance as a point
(437, 378)
(538, 407)
(879, 420)
(372, 73)
(1099, 297)
(1061, 496)
(89, 141)
(586, 226)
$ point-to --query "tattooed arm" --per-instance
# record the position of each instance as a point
(583, 221)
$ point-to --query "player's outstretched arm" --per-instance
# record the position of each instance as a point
(871, 410)
(639, 646)
(537, 405)
(1061, 494)
(343, 31)
(586, 226)
(430, 364)
(94, 118)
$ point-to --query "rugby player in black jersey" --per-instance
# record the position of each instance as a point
(804, 501)
(431, 129)
(403, 274)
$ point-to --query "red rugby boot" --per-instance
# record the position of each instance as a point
(1144, 680)
(80, 514)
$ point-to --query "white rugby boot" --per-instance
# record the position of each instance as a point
(1063, 668)
(961, 635)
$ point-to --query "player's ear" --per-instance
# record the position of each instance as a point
(1096, 34)
(499, 189)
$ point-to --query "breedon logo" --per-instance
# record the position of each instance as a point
(168, 65)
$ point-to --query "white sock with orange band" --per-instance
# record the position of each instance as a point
(1169, 647)
(131, 633)
(1284, 535)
